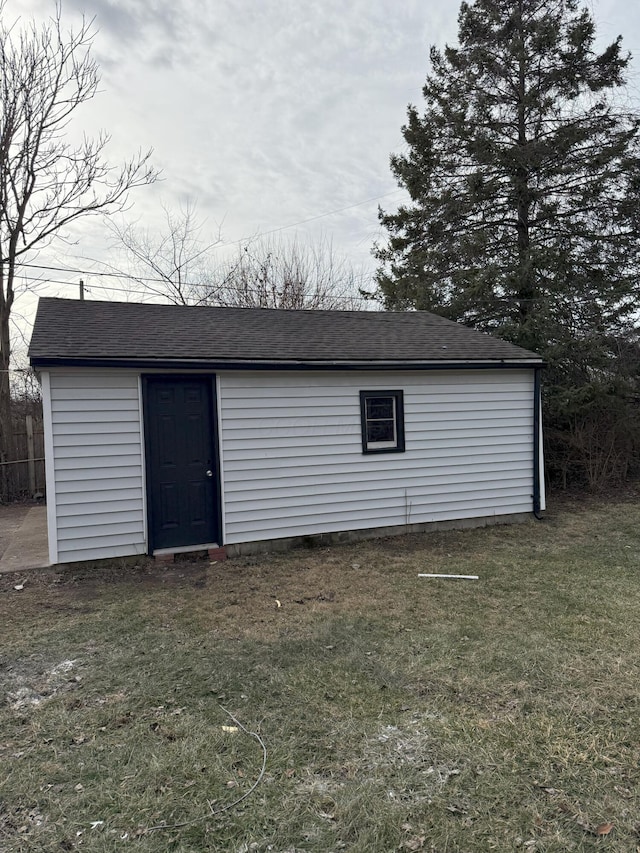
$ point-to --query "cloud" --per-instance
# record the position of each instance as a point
(268, 112)
(155, 33)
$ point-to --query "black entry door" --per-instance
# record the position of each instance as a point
(182, 488)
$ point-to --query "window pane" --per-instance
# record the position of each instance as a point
(380, 431)
(382, 421)
(380, 407)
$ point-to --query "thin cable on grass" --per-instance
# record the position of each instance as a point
(214, 812)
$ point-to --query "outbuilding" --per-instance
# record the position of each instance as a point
(172, 428)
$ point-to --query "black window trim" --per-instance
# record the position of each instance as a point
(399, 412)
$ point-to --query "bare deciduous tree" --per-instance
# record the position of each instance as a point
(178, 265)
(288, 274)
(47, 182)
(173, 263)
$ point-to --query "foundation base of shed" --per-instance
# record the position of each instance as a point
(168, 555)
(319, 540)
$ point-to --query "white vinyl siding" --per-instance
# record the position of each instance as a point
(97, 465)
(291, 452)
(291, 447)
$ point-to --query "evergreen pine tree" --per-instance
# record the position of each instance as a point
(524, 178)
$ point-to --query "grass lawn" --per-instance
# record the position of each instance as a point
(397, 713)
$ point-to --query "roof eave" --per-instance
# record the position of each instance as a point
(42, 363)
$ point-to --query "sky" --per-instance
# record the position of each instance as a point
(267, 115)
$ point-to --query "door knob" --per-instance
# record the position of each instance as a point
(209, 473)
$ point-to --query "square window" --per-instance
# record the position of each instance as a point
(382, 416)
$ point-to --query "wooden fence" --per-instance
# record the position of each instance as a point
(25, 477)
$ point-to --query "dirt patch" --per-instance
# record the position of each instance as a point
(266, 596)
(77, 577)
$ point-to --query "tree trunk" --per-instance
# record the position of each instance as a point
(7, 451)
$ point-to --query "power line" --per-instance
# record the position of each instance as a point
(227, 288)
(96, 273)
(140, 278)
(313, 218)
(219, 245)
(213, 290)
(230, 289)
(231, 243)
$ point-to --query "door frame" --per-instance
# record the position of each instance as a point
(215, 451)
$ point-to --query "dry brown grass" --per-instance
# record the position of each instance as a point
(398, 713)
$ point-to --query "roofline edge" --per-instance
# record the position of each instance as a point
(168, 364)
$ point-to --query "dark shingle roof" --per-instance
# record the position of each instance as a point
(73, 331)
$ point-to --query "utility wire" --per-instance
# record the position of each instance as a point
(233, 242)
(140, 278)
(91, 272)
(211, 288)
(230, 289)
(220, 245)
(310, 219)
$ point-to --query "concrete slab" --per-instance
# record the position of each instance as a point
(11, 518)
(23, 538)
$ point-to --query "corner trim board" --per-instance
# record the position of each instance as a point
(537, 393)
(218, 449)
(49, 468)
(143, 456)
(217, 458)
